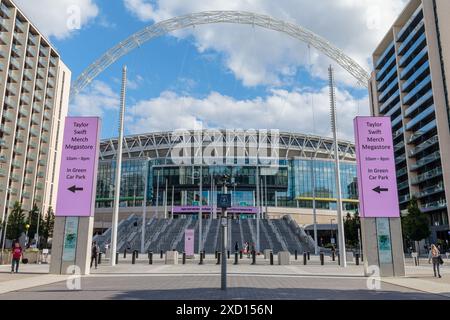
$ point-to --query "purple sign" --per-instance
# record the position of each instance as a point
(189, 242)
(377, 180)
(78, 172)
(205, 209)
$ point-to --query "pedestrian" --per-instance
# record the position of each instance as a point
(16, 255)
(94, 254)
(435, 257)
(236, 247)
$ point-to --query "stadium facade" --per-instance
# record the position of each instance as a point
(163, 170)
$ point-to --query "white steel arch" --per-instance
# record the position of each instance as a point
(214, 17)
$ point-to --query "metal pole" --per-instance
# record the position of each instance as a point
(316, 246)
(144, 208)
(115, 220)
(224, 244)
(340, 222)
(165, 202)
(200, 213)
(258, 202)
(157, 196)
(265, 196)
(37, 230)
(173, 196)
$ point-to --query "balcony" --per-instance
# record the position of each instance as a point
(38, 96)
(37, 108)
(389, 50)
(20, 137)
(27, 182)
(9, 101)
(15, 64)
(23, 112)
(424, 145)
(425, 82)
(52, 72)
(404, 199)
(51, 83)
(437, 172)
(36, 119)
(16, 164)
(39, 186)
(418, 45)
(22, 124)
(46, 127)
(42, 163)
(426, 97)
(29, 170)
(387, 78)
(403, 185)
(381, 75)
(420, 28)
(32, 144)
(45, 138)
(26, 195)
(47, 115)
(422, 55)
(426, 160)
(430, 126)
(3, 159)
(420, 72)
(25, 99)
(421, 116)
(8, 115)
(402, 172)
(38, 198)
(15, 177)
(3, 144)
(40, 84)
(13, 191)
(19, 151)
(398, 133)
(5, 129)
(5, 11)
(430, 191)
(3, 172)
(41, 174)
(20, 26)
(34, 132)
(399, 146)
(432, 206)
(31, 156)
(49, 104)
(31, 52)
(4, 24)
(27, 75)
(389, 101)
(389, 88)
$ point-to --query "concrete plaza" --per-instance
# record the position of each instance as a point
(245, 281)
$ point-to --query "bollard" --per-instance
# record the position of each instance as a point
(322, 259)
(204, 254)
(184, 257)
(253, 257)
(137, 254)
(218, 257)
(100, 258)
(305, 258)
(271, 258)
(228, 254)
(201, 257)
(162, 254)
(333, 256)
(357, 259)
(236, 258)
(150, 257)
(241, 254)
(309, 255)
(295, 254)
(133, 258)
(215, 255)
(125, 253)
(117, 257)
(339, 259)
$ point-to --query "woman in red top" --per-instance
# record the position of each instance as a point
(16, 255)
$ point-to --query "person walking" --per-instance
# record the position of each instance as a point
(435, 257)
(16, 256)
(236, 247)
(94, 254)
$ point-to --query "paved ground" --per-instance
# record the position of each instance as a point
(245, 281)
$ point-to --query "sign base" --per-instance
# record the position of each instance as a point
(383, 247)
(71, 245)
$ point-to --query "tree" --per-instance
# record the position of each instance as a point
(415, 224)
(33, 217)
(47, 228)
(351, 225)
(16, 222)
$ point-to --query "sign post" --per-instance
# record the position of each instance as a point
(378, 196)
(74, 215)
(189, 237)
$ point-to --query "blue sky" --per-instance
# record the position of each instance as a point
(217, 76)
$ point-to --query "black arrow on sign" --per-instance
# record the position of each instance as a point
(74, 189)
(379, 190)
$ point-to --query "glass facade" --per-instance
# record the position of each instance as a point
(290, 186)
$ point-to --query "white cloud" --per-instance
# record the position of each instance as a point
(287, 111)
(257, 56)
(59, 18)
(97, 100)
